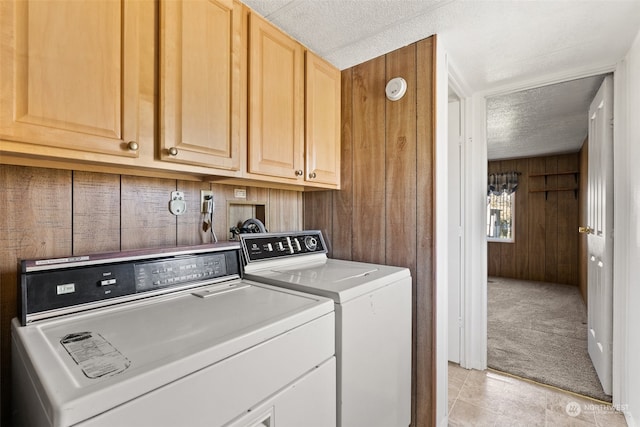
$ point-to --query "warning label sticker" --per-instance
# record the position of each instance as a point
(96, 356)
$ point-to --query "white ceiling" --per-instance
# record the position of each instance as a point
(491, 44)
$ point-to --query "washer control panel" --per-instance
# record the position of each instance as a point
(264, 246)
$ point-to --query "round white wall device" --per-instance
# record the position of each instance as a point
(396, 88)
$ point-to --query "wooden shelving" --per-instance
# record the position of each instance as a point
(546, 190)
(554, 189)
(545, 174)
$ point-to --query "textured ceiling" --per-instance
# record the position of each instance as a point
(491, 44)
(545, 120)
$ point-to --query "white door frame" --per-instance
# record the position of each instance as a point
(475, 259)
(621, 220)
(457, 164)
(440, 230)
(454, 262)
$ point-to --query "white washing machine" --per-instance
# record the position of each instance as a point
(373, 320)
(168, 338)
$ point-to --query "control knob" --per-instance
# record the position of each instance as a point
(311, 243)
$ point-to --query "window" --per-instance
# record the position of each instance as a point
(500, 217)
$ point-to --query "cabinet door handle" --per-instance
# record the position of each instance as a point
(299, 172)
(312, 175)
(133, 146)
(173, 151)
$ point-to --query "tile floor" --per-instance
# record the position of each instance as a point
(489, 398)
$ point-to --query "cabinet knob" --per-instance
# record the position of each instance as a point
(133, 146)
(299, 172)
(312, 175)
(173, 151)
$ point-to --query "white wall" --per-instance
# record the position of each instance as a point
(627, 235)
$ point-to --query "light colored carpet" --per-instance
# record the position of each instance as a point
(538, 331)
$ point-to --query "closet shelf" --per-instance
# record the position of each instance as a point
(554, 189)
(554, 173)
(548, 174)
(547, 190)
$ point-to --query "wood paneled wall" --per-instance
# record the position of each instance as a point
(384, 212)
(546, 223)
(50, 213)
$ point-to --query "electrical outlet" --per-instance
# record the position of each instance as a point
(206, 201)
(240, 193)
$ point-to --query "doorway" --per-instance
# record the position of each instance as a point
(525, 131)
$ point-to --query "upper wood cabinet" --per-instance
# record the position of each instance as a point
(233, 97)
(276, 103)
(69, 76)
(200, 82)
(322, 121)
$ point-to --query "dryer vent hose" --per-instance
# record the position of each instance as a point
(253, 225)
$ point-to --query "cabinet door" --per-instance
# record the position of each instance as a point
(322, 121)
(276, 104)
(69, 73)
(200, 82)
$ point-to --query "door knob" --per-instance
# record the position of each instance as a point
(585, 230)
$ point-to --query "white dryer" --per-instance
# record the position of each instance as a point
(373, 320)
(168, 338)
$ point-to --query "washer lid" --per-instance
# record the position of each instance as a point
(89, 363)
(336, 279)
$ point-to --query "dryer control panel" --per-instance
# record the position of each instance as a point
(264, 246)
(57, 286)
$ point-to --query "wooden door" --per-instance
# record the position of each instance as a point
(70, 75)
(276, 102)
(200, 82)
(600, 233)
(322, 121)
